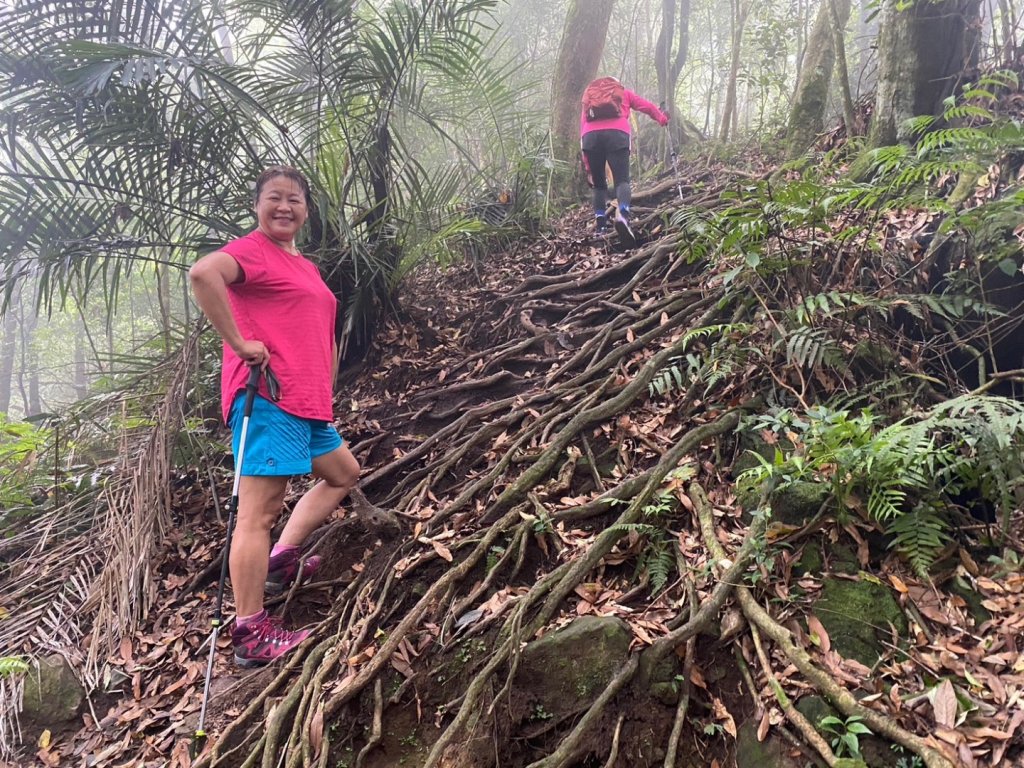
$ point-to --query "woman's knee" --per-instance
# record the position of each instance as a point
(339, 468)
(259, 501)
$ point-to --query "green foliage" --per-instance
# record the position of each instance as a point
(845, 734)
(494, 556)
(12, 665)
(966, 138)
(906, 472)
(716, 364)
(21, 444)
(143, 151)
(658, 550)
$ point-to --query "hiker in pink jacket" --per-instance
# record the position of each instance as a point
(605, 138)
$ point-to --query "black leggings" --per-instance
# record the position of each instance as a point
(611, 147)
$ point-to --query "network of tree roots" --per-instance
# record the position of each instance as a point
(513, 448)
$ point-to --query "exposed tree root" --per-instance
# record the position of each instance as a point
(841, 698)
(516, 446)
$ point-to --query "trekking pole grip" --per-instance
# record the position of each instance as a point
(250, 389)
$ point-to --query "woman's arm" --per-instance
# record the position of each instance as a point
(210, 278)
(641, 104)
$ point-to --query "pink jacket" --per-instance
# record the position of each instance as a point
(629, 101)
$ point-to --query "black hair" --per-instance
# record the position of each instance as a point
(273, 171)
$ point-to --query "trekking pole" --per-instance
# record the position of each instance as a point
(675, 157)
(250, 396)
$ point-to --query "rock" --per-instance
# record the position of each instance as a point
(53, 694)
(798, 502)
(566, 670)
(815, 709)
(810, 562)
(770, 753)
(855, 614)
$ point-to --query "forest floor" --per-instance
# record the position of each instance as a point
(549, 431)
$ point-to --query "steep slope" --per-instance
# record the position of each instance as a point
(553, 432)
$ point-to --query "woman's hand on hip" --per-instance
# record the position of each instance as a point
(254, 352)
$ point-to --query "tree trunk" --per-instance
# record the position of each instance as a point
(80, 378)
(806, 118)
(924, 51)
(842, 71)
(8, 340)
(865, 73)
(583, 39)
(28, 373)
(740, 11)
(667, 64)
(163, 295)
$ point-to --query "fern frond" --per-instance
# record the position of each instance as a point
(919, 536)
(643, 529)
(809, 347)
(661, 563)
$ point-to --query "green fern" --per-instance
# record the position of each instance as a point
(808, 347)
(919, 535)
(660, 562)
(12, 665)
(910, 468)
(644, 529)
(672, 377)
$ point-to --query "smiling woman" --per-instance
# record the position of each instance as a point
(282, 204)
(268, 302)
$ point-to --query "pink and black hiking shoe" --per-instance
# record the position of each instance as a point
(263, 641)
(284, 568)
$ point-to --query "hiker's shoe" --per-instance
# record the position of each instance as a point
(600, 225)
(284, 568)
(623, 228)
(263, 641)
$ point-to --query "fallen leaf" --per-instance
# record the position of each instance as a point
(316, 731)
(126, 649)
(818, 634)
(442, 551)
(944, 704)
(898, 584)
(763, 726)
(723, 716)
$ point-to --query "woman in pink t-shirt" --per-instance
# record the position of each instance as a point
(270, 306)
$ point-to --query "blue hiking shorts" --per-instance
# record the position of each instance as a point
(278, 443)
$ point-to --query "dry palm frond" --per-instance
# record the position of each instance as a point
(11, 690)
(138, 512)
(85, 565)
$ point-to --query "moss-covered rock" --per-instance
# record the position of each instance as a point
(856, 614)
(663, 685)
(566, 670)
(815, 709)
(52, 695)
(798, 502)
(810, 563)
(844, 559)
(770, 753)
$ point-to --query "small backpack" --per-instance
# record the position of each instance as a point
(602, 99)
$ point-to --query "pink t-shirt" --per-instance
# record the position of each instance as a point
(621, 123)
(283, 302)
